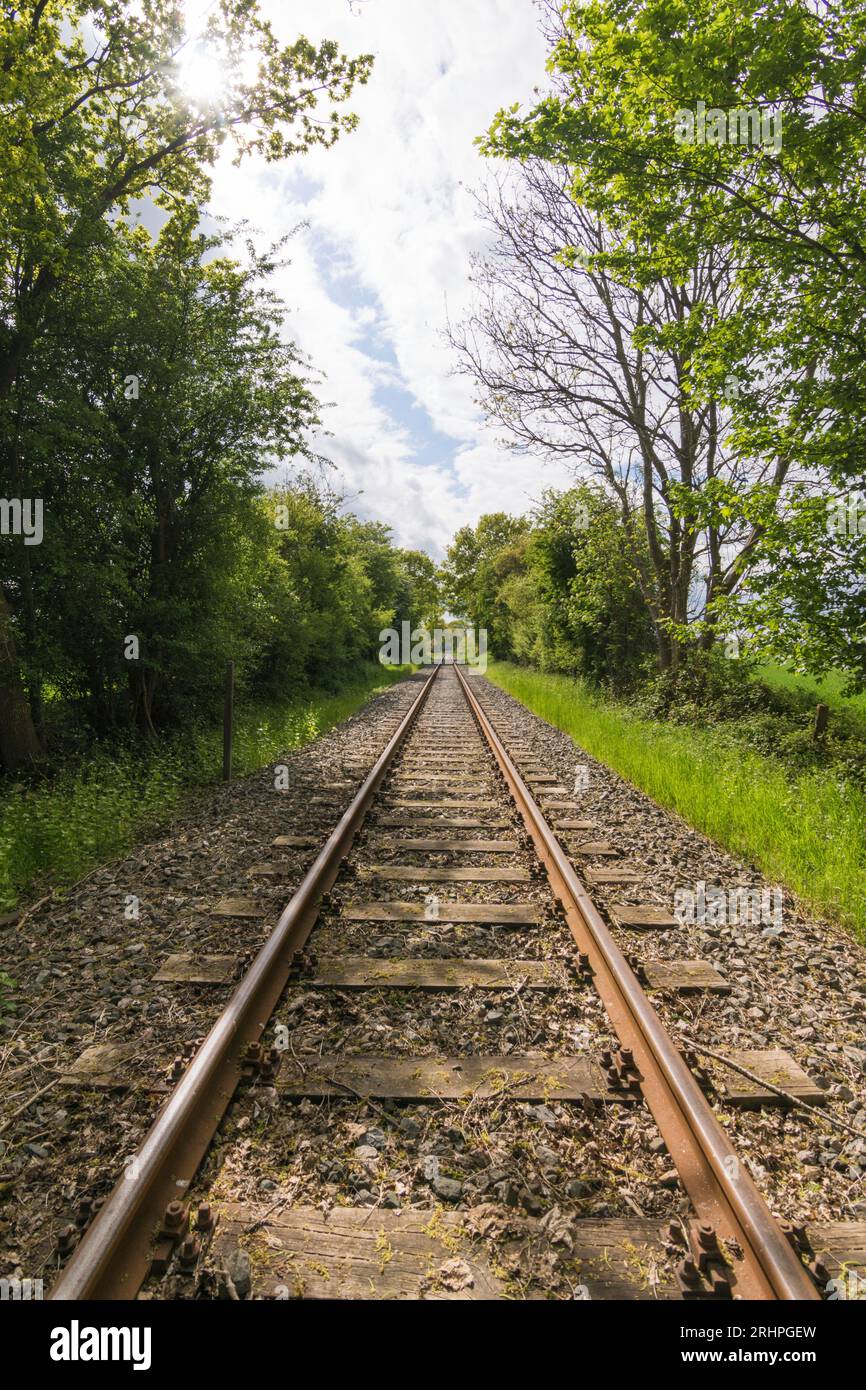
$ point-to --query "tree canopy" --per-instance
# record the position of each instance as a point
(146, 382)
(718, 152)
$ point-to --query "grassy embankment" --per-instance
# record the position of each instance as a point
(55, 832)
(804, 827)
(828, 691)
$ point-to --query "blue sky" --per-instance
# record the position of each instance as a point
(384, 258)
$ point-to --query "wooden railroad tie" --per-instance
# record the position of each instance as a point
(443, 804)
(184, 968)
(367, 972)
(644, 917)
(442, 822)
(521, 914)
(110, 1066)
(353, 1253)
(411, 873)
(241, 907)
(600, 874)
(431, 846)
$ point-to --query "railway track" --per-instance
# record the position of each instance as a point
(443, 888)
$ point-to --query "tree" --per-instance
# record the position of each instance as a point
(593, 619)
(19, 744)
(333, 583)
(478, 561)
(95, 117)
(563, 592)
(736, 133)
(151, 489)
(573, 359)
(420, 602)
(805, 603)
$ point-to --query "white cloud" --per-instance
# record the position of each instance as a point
(390, 232)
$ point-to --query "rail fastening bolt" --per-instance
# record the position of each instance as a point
(66, 1240)
(173, 1216)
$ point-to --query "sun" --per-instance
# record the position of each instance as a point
(202, 76)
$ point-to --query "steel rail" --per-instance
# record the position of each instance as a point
(716, 1180)
(113, 1258)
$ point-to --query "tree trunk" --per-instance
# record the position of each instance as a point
(28, 615)
(142, 685)
(19, 741)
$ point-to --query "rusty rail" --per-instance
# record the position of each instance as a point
(719, 1187)
(114, 1256)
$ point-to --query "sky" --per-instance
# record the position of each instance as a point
(383, 260)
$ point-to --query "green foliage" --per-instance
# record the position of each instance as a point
(705, 687)
(806, 828)
(593, 619)
(805, 602)
(153, 526)
(327, 591)
(96, 115)
(421, 601)
(156, 523)
(58, 831)
(157, 526)
(782, 211)
(805, 692)
(145, 385)
(556, 590)
(479, 561)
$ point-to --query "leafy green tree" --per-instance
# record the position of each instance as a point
(173, 388)
(333, 583)
(734, 132)
(565, 594)
(805, 602)
(97, 116)
(477, 563)
(420, 601)
(596, 622)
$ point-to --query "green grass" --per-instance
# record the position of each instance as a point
(56, 832)
(827, 691)
(806, 830)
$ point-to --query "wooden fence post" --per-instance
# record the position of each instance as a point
(228, 720)
(821, 713)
